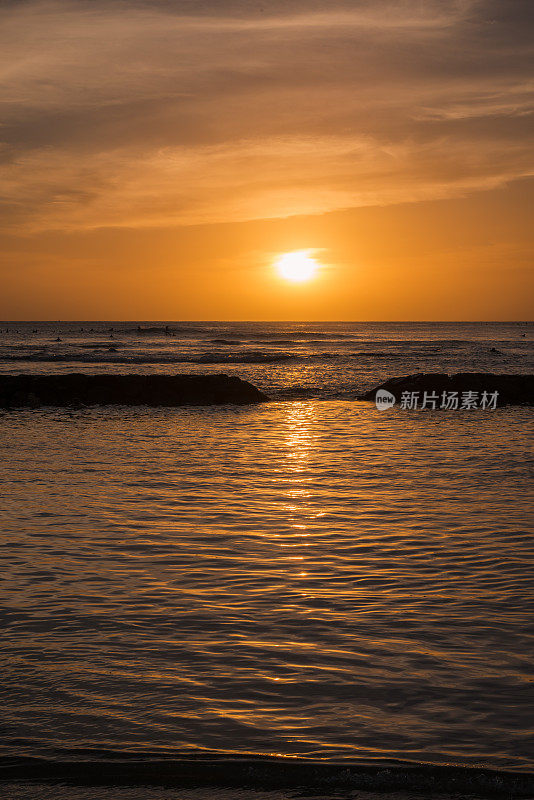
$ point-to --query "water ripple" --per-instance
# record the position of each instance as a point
(308, 578)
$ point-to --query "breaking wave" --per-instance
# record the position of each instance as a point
(110, 358)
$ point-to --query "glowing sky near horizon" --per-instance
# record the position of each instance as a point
(157, 157)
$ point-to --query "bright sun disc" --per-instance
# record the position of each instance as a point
(297, 266)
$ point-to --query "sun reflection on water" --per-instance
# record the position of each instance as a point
(295, 480)
(291, 578)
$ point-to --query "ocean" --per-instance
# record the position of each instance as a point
(287, 360)
(309, 580)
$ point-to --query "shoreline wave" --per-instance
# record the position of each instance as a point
(270, 772)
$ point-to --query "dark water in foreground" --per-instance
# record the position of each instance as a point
(307, 578)
(31, 791)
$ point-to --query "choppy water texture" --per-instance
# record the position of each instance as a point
(286, 360)
(306, 578)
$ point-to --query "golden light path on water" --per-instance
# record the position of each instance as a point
(314, 579)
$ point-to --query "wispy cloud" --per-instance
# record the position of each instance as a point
(130, 113)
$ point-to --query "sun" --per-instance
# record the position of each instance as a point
(297, 266)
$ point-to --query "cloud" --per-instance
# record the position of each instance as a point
(130, 113)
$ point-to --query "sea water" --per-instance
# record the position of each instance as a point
(307, 578)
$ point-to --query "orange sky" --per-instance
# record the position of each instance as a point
(157, 158)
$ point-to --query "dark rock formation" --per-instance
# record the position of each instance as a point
(512, 389)
(32, 391)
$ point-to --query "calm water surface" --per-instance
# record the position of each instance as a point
(311, 578)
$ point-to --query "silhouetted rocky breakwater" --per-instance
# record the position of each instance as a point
(32, 391)
(512, 389)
